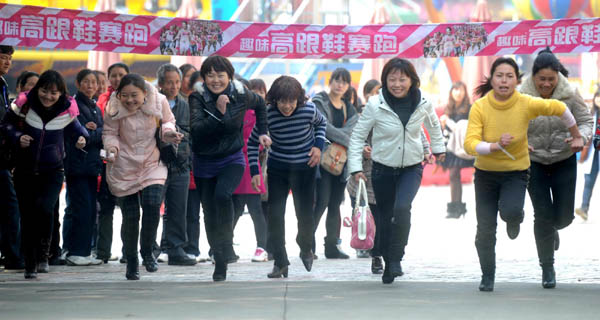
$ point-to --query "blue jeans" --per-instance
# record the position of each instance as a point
(590, 180)
(395, 190)
(174, 235)
(10, 229)
(495, 191)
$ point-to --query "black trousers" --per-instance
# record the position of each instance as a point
(256, 213)
(215, 194)
(552, 192)
(10, 227)
(395, 189)
(37, 195)
(330, 194)
(174, 235)
(81, 191)
(107, 203)
(496, 191)
(192, 245)
(302, 185)
(150, 199)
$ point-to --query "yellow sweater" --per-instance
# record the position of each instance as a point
(490, 118)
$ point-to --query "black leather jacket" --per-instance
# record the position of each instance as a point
(216, 135)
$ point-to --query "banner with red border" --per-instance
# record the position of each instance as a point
(54, 28)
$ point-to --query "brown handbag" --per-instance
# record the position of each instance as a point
(334, 157)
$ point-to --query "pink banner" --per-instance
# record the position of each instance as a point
(52, 28)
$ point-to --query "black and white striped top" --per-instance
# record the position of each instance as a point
(292, 137)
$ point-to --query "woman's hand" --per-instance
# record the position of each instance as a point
(111, 154)
(265, 141)
(505, 140)
(256, 183)
(315, 157)
(80, 143)
(91, 125)
(25, 141)
(367, 152)
(576, 143)
(172, 137)
(359, 175)
(222, 102)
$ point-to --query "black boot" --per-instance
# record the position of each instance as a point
(376, 265)
(220, 273)
(452, 210)
(133, 269)
(333, 250)
(387, 276)
(396, 269)
(307, 260)
(513, 229)
(548, 276)
(149, 262)
(487, 283)
(461, 209)
(278, 272)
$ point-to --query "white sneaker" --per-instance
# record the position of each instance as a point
(78, 261)
(260, 255)
(113, 258)
(94, 261)
(163, 257)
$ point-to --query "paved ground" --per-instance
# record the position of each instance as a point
(441, 267)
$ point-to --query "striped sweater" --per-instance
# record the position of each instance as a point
(293, 137)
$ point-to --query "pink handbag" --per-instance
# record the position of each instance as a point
(363, 224)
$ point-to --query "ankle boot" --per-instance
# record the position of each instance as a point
(487, 283)
(548, 276)
(220, 273)
(333, 250)
(133, 269)
(387, 276)
(149, 262)
(396, 269)
(376, 265)
(307, 260)
(278, 272)
(452, 210)
(461, 209)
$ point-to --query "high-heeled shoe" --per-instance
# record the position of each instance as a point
(396, 269)
(220, 273)
(376, 265)
(548, 276)
(487, 283)
(133, 269)
(30, 274)
(278, 272)
(150, 263)
(387, 276)
(307, 260)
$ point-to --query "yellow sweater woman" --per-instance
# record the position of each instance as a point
(497, 136)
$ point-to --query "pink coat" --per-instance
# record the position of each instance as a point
(137, 164)
(245, 186)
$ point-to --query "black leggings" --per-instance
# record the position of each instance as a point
(258, 216)
(330, 194)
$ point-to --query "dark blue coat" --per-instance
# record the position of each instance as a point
(78, 162)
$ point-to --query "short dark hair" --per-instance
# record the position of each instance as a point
(49, 79)
(486, 86)
(98, 73)
(24, 76)
(195, 77)
(341, 74)
(242, 80)
(405, 67)
(133, 79)
(7, 50)
(84, 73)
(286, 88)
(118, 65)
(184, 68)
(546, 59)
(257, 84)
(351, 94)
(369, 86)
(217, 64)
(162, 72)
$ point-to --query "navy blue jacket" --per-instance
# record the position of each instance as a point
(50, 129)
(78, 162)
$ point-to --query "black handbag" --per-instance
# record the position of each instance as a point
(168, 151)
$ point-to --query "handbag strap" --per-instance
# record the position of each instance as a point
(361, 193)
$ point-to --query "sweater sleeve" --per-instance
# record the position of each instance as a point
(545, 107)
(474, 130)
(359, 135)
(320, 126)
(253, 150)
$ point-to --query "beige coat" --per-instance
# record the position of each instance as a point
(137, 164)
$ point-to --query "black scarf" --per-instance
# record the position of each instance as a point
(405, 106)
(47, 114)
